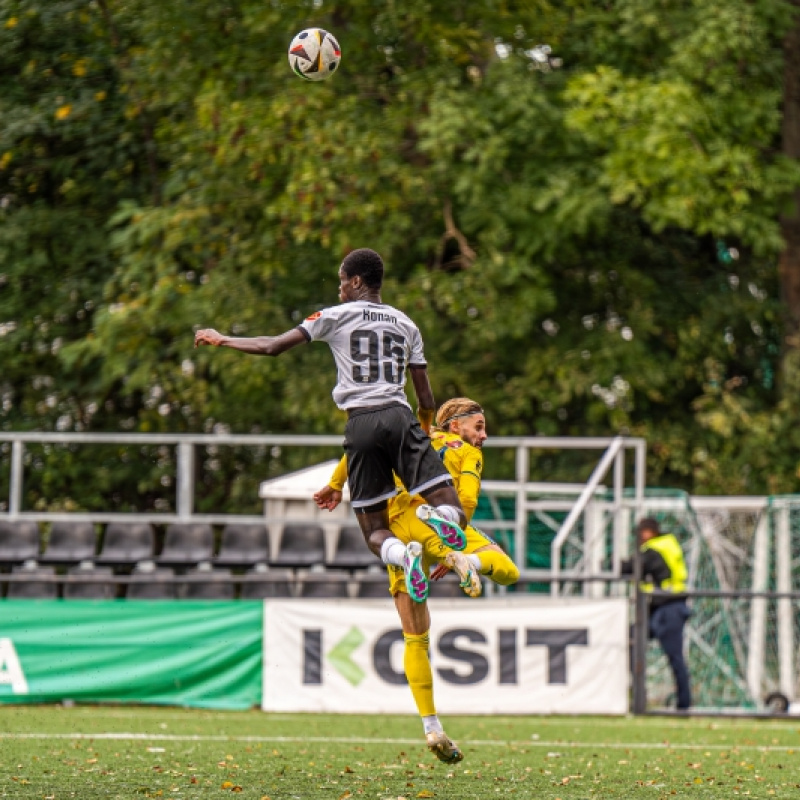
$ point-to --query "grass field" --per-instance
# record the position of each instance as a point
(128, 752)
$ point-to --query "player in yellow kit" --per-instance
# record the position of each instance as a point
(458, 438)
(435, 540)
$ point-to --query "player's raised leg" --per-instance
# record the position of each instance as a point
(481, 556)
(495, 564)
(490, 561)
(468, 575)
(409, 530)
(407, 555)
(448, 530)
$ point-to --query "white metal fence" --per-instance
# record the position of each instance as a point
(743, 552)
(530, 497)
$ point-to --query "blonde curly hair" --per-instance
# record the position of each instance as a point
(453, 409)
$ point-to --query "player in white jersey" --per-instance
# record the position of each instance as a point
(374, 346)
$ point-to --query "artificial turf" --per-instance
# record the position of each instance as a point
(52, 752)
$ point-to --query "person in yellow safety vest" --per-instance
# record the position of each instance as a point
(664, 578)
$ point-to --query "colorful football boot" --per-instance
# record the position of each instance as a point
(468, 576)
(416, 579)
(449, 533)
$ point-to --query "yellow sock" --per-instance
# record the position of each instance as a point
(417, 665)
(498, 567)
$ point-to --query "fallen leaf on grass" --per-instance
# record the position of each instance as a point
(426, 793)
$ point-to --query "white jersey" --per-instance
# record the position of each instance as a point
(372, 345)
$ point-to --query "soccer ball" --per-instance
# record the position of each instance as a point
(314, 54)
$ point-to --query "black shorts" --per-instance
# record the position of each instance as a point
(381, 442)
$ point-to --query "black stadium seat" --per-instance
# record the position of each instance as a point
(32, 589)
(446, 587)
(243, 545)
(216, 584)
(322, 583)
(187, 544)
(19, 541)
(373, 582)
(352, 551)
(301, 546)
(149, 582)
(89, 589)
(270, 583)
(127, 543)
(70, 543)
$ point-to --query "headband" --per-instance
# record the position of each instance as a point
(447, 421)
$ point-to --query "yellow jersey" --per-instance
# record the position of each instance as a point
(465, 463)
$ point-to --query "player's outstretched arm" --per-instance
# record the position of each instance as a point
(255, 345)
(426, 405)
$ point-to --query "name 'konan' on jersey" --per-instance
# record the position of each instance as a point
(372, 345)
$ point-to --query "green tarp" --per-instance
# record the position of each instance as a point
(203, 654)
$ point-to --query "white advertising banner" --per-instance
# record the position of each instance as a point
(520, 656)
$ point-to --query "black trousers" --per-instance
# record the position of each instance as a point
(666, 624)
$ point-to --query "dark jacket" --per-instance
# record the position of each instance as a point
(655, 570)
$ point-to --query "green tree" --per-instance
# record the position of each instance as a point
(564, 237)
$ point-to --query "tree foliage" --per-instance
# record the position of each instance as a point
(563, 237)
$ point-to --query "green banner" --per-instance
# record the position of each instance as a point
(203, 654)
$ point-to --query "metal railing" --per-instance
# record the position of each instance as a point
(614, 455)
(184, 479)
(525, 492)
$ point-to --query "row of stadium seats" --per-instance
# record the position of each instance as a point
(184, 545)
(147, 581)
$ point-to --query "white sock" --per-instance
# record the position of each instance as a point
(392, 552)
(432, 723)
(475, 561)
(450, 513)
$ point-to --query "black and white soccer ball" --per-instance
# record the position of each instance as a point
(314, 54)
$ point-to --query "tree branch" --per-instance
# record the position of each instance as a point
(467, 254)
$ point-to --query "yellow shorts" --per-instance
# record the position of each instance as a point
(406, 526)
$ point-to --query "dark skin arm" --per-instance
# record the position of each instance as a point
(426, 406)
(255, 345)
